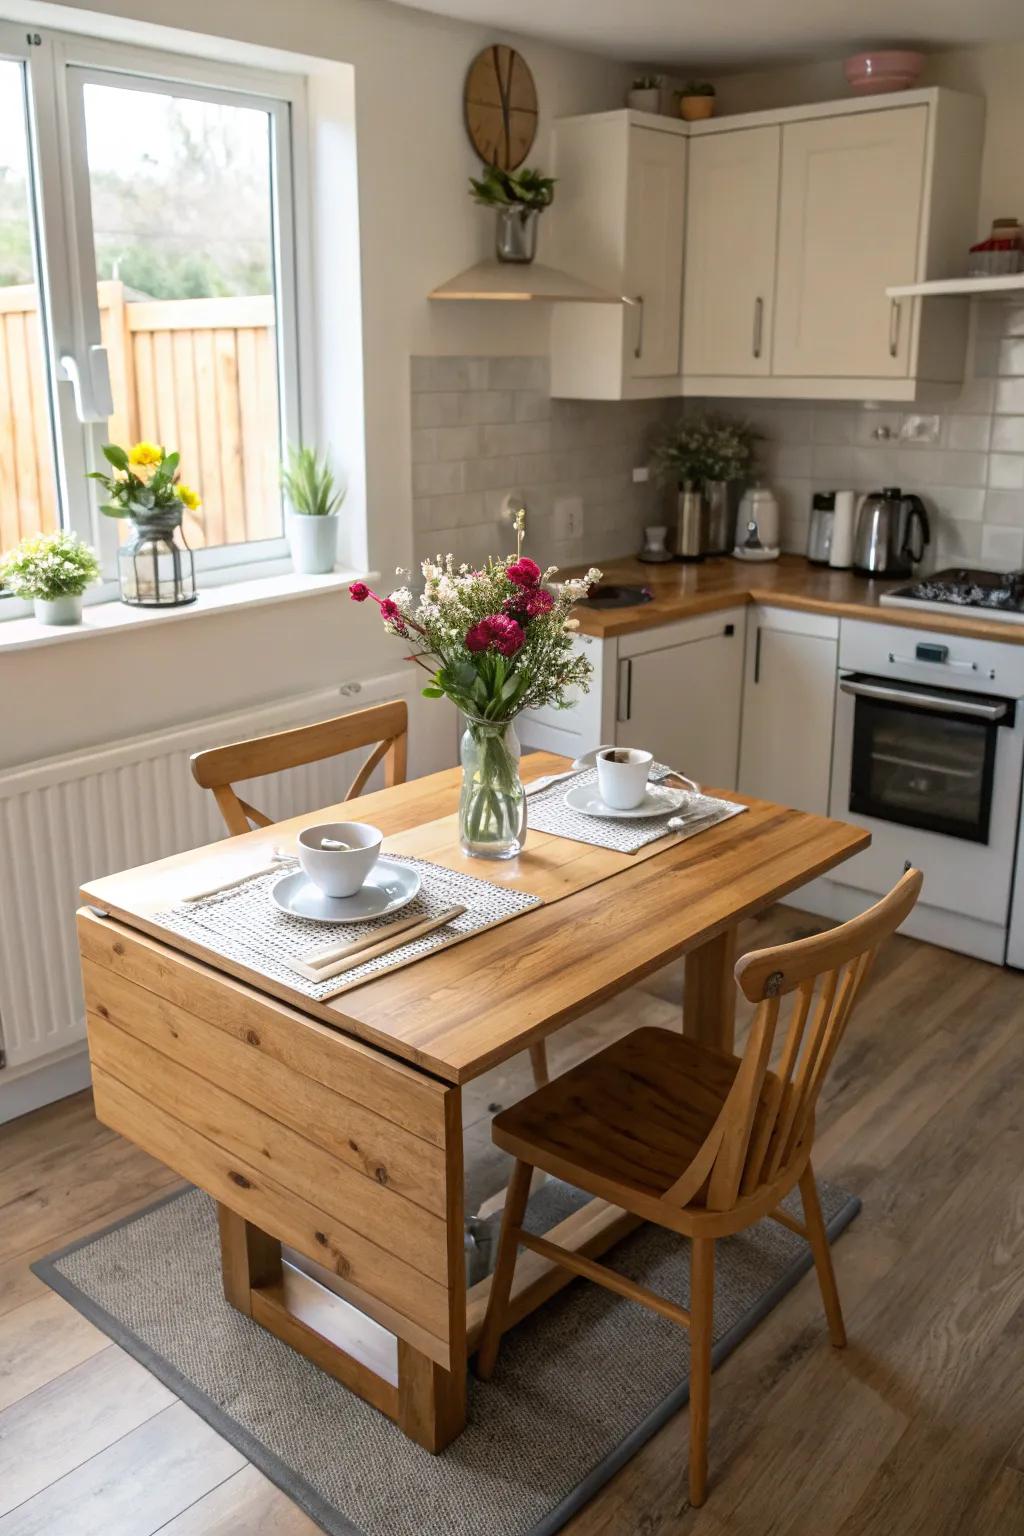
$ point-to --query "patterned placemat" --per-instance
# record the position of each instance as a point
(549, 813)
(244, 925)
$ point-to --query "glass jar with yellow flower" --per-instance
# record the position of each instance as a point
(156, 568)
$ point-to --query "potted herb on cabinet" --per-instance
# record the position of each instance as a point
(696, 100)
(644, 95)
(53, 569)
(518, 198)
(313, 517)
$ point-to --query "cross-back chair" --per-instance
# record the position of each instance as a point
(701, 1142)
(383, 727)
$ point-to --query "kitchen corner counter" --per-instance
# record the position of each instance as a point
(682, 591)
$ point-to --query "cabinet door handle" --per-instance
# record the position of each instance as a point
(757, 655)
(758, 325)
(625, 690)
(639, 347)
(894, 327)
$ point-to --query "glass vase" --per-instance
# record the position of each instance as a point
(155, 566)
(492, 805)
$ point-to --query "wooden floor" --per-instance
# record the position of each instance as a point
(918, 1427)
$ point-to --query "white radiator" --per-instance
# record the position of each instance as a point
(74, 818)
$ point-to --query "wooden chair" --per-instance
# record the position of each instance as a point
(701, 1142)
(385, 727)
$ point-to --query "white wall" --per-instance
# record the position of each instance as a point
(994, 72)
(417, 227)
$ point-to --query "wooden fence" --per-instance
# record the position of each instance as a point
(198, 375)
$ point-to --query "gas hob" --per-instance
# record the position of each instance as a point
(991, 594)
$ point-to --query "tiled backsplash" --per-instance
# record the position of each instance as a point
(484, 427)
(968, 469)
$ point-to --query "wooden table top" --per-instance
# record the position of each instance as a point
(608, 919)
(683, 591)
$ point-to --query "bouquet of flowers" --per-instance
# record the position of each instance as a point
(705, 449)
(144, 484)
(495, 641)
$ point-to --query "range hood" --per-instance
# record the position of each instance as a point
(522, 282)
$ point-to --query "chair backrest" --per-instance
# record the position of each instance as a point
(769, 1113)
(385, 727)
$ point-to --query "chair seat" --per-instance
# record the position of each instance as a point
(633, 1117)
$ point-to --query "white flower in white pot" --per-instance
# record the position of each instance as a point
(53, 569)
(313, 515)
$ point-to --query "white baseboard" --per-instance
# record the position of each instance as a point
(33, 1087)
(934, 925)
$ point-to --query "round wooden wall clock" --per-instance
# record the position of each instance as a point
(501, 106)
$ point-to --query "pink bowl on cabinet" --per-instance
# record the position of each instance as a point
(892, 69)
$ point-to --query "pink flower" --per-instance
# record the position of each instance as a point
(538, 602)
(359, 592)
(389, 609)
(497, 632)
(524, 572)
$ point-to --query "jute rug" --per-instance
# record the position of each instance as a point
(580, 1385)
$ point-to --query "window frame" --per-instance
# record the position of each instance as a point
(57, 67)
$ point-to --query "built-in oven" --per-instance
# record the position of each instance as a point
(928, 754)
(924, 757)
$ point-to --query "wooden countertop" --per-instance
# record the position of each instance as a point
(684, 591)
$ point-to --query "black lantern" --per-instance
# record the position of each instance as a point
(156, 568)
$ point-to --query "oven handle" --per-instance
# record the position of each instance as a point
(970, 708)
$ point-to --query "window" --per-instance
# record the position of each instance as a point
(147, 286)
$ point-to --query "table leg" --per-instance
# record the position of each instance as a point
(709, 992)
(249, 1258)
(431, 1400)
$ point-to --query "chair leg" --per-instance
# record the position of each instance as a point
(818, 1238)
(504, 1269)
(702, 1300)
(539, 1064)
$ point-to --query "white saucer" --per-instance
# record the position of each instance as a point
(389, 885)
(659, 800)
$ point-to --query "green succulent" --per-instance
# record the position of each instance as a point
(697, 88)
(310, 485)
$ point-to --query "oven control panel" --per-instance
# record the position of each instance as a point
(932, 658)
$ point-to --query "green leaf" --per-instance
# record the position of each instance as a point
(170, 464)
(114, 509)
(115, 455)
(432, 693)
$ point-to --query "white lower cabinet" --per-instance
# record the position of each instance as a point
(789, 708)
(674, 691)
(678, 695)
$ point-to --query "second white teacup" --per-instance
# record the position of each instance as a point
(339, 871)
(622, 776)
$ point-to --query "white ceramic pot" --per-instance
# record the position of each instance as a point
(66, 609)
(644, 101)
(313, 542)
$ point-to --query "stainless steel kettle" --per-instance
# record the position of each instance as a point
(892, 532)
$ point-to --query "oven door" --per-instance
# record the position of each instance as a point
(924, 757)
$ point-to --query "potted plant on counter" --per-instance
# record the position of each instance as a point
(696, 100)
(314, 508)
(518, 198)
(644, 95)
(53, 569)
(705, 458)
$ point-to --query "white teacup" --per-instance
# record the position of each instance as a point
(339, 871)
(622, 776)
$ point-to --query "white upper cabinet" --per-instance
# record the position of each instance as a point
(654, 250)
(731, 227)
(790, 225)
(617, 222)
(849, 227)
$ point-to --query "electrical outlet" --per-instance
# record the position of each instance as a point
(568, 518)
(641, 474)
(920, 429)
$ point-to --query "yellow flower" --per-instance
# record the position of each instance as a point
(188, 496)
(145, 455)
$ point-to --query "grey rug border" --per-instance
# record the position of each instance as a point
(327, 1516)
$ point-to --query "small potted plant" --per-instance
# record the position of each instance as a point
(696, 100)
(313, 518)
(704, 458)
(517, 197)
(644, 95)
(53, 569)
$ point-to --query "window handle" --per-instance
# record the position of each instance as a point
(91, 384)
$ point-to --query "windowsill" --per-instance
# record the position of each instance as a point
(109, 618)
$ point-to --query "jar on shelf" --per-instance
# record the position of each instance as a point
(1002, 254)
(155, 566)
